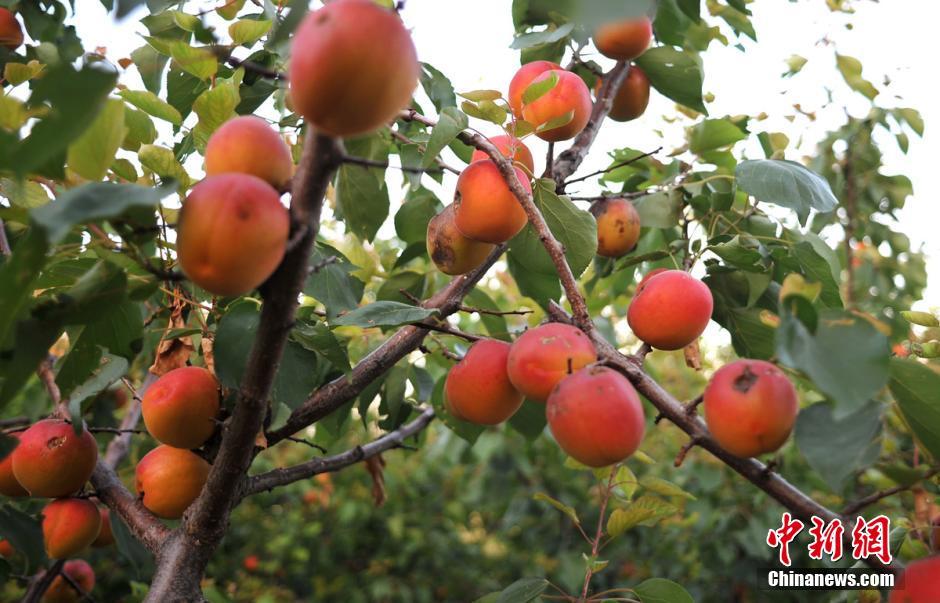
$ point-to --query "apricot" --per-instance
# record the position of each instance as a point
(106, 535)
(180, 408)
(8, 484)
(596, 416)
(248, 145)
(543, 356)
(6, 549)
(670, 310)
(232, 233)
(52, 461)
(484, 208)
(511, 148)
(60, 591)
(169, 479)
(478, 389)
(449, 249)
(11, 34)
(353, 67)
(69, 525)
(650, 275)
(921, 582)
(632, 98)
(750, 407)
(618, 227)
(624, 40)
(569, 97)
(523, 78)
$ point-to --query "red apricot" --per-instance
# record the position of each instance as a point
(569, 98)
(624, 40)
(543, 356)
(650, 275)
(523, 78)
(232, 233)
(69, 525)
(180, 408)
(353, 66)
(670, 310)
(8, 484)
(632, 98)
(251, 563)
(921, 582)
(596, 416)
(248, 145)
(11, 34)
(750, 407)
(169, 479)
(478, 389)
(511, 148)
(618, 227)
(60, 591)
(485, 208)
(52, 461)
(6, 549)
(449, 249)
(106, 535)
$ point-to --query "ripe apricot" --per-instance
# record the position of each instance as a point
(670, 310)
(232, 233)
(624, 40)
(596, 416)
(632, 98)
(69, 525)
(478, 389)
(106, 535)
(523, 78)
(180, 408)
(511, 148)
(750, 407)
(11, 34)
(52, 461)
(8, 484)
(921, 580)
(569, 97)
(353, 66)
(543, 356)
(248, 145)
(650, 275)
(449, 249)
(60, 591)
(169, 480)
(6, 549)
(618, 227)
(484, 207)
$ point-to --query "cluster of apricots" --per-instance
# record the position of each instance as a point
(11, 34)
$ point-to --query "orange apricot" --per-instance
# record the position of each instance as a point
(106, 535)
(8, 484)
(61, 591)
(750, 407)
(569, 98)
(522, 79)
(670, 310)
(650, 275)
(169, 480)
(179, 410)
(485, 208)
(52, 461)
(478, 389)
(449, 249)
(6, 549)
(232, 233)
(543, 356)
(618, 227)
(11, 34)
(511, 148)
(632, 98)
(624, 40)
(596, 416)
(248, 145)
(69, 525)
(353, 67)
(921, 582)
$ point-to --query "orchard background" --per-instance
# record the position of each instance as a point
(811, 264)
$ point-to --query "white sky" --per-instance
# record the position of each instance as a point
(896, 39)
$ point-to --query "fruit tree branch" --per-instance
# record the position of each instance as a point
(858, 505)
(41, 583)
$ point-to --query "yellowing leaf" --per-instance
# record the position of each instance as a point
(92, 153)
(17, 73)
(152, 104)
(162, 162)
(248, 31)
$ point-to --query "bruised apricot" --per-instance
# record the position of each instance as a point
(106, 535)
(478, 389)
(61, 591)
(11, 34)
(543, 356)
(179, 410)
(353, 66)
(618, 227)
(921, 582)
(248, 145)
(8, 484)
(632, 97)
(670, 310)
(522, 79)
(485, 208)
(232, 233)
(69, 525)
(52, 460)
(568, 103)
(169, 480)
(511, 148)
(596, 416)
(624, 40)
(449, 249)
(750, 407)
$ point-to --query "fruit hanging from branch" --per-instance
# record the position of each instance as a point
(169, 479)
(618, 227)
(632, 98)
(624, 40)
(451, 251)
(670, 310)
(478, 389)
(521, 81)
(543, 356)
(51, 460)
(69, 525)
(512, 148)
(485, 209)
(248, 145)
(180, 409)
(62, 591)
(567, 103)
(11, 34)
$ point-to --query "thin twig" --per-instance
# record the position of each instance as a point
(855, 507)
(306, 442)
(614, 166)
(475, 310)
(365, 162)
(4, 243)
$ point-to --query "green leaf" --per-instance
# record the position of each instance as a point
(437, 87)
(91, 154)
(529, 420)
(162, 162)
(450, 123)
(913, 119)
(836, 448)
(924, 319)
(248, 31)
(786, 183)
(916, 388)
(150, 64)
(677, 74)
(110, 370)
(547, 36)
(660, 590)
(851, 69)
(714, 134)
(214, 107)
(25, 194)
(817, 269)
(152, 104)
(481, 95)
(539, 89)
(384, 314)
(646, 510)
(523, 590)
(411, 221)
(24, 533)
(129, 547)
(140, 130)
(317, 337)
(361, 192)
(663, 487)
(199, 62)
(569, 511)
(333, 285)
(17, 73)
(660, 209)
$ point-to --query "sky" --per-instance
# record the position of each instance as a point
(469, 41)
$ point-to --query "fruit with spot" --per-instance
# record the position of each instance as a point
(511, 148)
(670, 310)
(69, 526)
(618, 227)
(61, 591)
(51, 460)
(248, 145)
(543, 356)
(568, 103)
(180, 408)
(169, 480)
(478, 389)
(624, 40)
(485, 209)
(451, 251)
